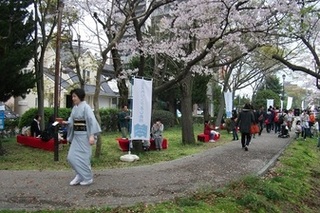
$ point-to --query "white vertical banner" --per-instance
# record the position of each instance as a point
(270, 102)
(228, 101)
(141, 109)
(302, 105)
(289, 103)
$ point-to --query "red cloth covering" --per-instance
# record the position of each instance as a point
(205, 138)
(124, 144)
(37, 142)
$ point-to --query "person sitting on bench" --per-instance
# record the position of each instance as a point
(209, 130)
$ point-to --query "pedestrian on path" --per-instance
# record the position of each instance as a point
(82, 130)
(244, 122)
(233, 125)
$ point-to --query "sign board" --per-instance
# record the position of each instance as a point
(1, 119)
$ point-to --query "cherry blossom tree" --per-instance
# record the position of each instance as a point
(298, 38)
(203, 33)
(195, 35)
(112, 20)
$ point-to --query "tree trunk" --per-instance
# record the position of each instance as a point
(171, 104)
(206, 115)
(40, 89)
(186, 110)
(97, 108)
(220, 112)
(118, 68)
(2, 150)
(124, 93)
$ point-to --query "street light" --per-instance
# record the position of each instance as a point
(283, 78)
(56, 77)
(282, 96)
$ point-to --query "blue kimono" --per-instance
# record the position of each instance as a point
(81, 124)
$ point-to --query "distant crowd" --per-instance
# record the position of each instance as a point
(250, 122)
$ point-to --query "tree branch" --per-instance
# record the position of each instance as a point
(295, 67)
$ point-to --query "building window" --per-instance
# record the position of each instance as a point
(114, 101)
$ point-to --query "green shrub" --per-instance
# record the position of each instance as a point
(28, 116)
(11, 124)
(198, 119)
(109, 119)
(167, 118)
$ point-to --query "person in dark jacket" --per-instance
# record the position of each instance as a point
(35, 126)
(244, 122)
(124, 119)
(261, 117)
(269, 120)
(233, 125)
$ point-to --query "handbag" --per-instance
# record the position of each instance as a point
(267, 121)
(254, 129)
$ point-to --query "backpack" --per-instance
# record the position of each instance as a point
(281, 119)
(312, 118)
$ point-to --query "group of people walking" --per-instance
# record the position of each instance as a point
(273, 120)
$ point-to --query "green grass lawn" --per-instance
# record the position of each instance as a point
(21, 157)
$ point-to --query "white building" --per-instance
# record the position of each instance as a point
(68, 80)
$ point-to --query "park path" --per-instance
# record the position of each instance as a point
(213, 168)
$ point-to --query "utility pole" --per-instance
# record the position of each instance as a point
(57, 78)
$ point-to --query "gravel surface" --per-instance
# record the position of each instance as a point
(215, 167)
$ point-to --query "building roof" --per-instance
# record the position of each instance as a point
(105, 89)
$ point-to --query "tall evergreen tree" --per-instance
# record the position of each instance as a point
(16, 48)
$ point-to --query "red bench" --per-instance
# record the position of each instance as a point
(205, 138)
(37, 142)
(124, 144)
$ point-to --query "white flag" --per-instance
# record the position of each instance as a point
(228, 101)
(141, 109)
(269, 103)
(289, 102)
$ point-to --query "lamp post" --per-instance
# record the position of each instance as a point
(282, 97)
(283, 79)
(56, 78)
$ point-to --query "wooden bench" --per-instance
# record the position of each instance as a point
(124, 144)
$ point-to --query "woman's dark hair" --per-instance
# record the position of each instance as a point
(247, 106)
(78, 92)
(37, 116)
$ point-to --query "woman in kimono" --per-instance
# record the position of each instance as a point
(82, 131)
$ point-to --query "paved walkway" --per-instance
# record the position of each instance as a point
(36, 190)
